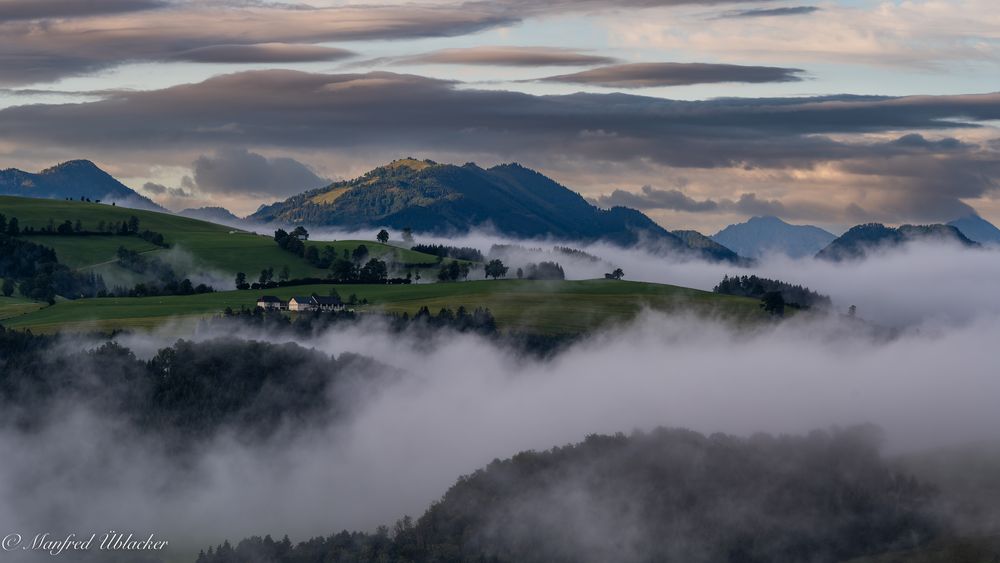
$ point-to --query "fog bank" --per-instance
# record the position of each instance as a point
(465, 401)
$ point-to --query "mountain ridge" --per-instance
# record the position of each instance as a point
(428, 196)
(977, 229)
(859, 240)
(760, 235)
(73, 179)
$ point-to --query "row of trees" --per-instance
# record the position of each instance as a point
(186, 392)
(128, 227)
(165, 279)
(39, 275)
(10, 228)
(453, 271)
(755, 287)
(406, 235)
(479, 320)
(374, 271)
(542, 271)
(444, 251)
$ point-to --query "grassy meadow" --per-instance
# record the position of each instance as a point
(550, 307)
(543, 306)
(211, 247)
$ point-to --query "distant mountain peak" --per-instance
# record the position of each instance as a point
(73, 179)
(77, 165)
(977, 229)
(766, 219)
(859, 240)
(427, 196)
(408, 162)
(765, 234)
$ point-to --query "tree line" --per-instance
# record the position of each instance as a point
(355, 266)
(443, 251)
(184, 392)
(129, 227)
(479, 320)
(755, 287)
(669, 495)
(165, 280)
(38, 275)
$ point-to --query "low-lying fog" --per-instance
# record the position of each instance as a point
(465, 401)
(916, 283)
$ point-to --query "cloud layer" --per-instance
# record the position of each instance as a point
(651, 75)
(34, 51)
(11, 10)
(509, 56)
(918, 176)
(262, 53)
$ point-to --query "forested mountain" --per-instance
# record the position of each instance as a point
(977, 229)
(74, 179)
(761, 235)
(861, 239)
(443, 198)
(694, 239)
(671, 495)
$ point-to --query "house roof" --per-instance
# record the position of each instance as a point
(268, 299)
(300, 299)
(322, 300)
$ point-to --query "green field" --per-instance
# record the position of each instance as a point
(15, 306)
(546, 307)
(89, 251)
(211, 247)
(377, 250)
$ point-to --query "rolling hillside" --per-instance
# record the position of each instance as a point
(207, 246)
(443, 198)
(564, 307)
(547, 307)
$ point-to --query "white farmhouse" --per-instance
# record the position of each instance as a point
(299, 303)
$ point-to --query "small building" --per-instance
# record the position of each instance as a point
(299, 303)
(271, 302)
(327, 303)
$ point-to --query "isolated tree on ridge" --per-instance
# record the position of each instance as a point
(496, 269)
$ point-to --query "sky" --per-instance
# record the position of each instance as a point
(699, 113)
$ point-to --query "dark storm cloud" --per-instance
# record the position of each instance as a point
(649, 198)
(509, 56)
(750, 204)
(240, 171)
(160, 189)
(772, 12)
(648, 75)
(262, 53)
(652, 198)
(397, 113)
(44, 9)
(297, 109)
